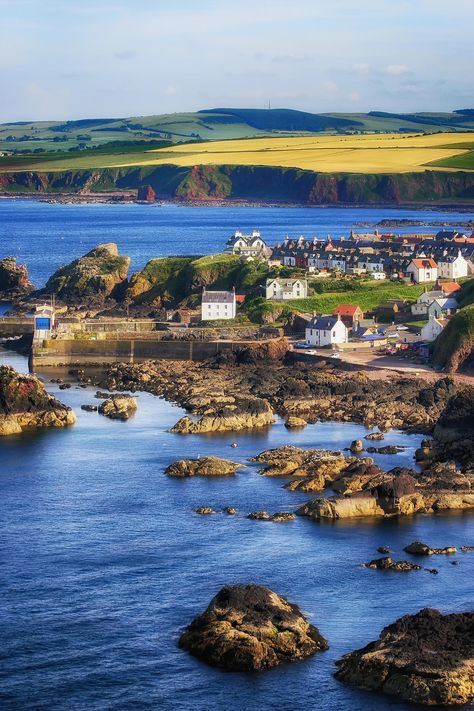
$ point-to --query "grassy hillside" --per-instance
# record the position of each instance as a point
(454, 347)
(372, 154)
(215, 124)
(367, 295)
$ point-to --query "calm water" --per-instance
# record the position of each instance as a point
(46, 236)
(103, 562)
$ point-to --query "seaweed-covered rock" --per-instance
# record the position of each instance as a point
(426, 658)
(388, 563)
(251, 628)
(25, 404)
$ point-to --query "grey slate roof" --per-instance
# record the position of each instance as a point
(323, 323)
(218, 297)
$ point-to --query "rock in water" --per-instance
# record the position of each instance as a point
(14, 279)
(25, 404)
(294, 422)
(357, 446)
(205, 466)
(418, 548)
(426, 658)
(118, 407)
(99, 274)
(251, 628)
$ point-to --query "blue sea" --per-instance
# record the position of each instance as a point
(46, 236)
(103, 561)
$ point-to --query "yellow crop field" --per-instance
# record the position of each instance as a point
(368, 153)
(388, 153)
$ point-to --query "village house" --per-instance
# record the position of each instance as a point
(432, 329)
(218, 305)
(326, 331)
(442, 307)
(452, 266)
(420, 308)
(449, 288)
(422, 270)
(350, 314)
(286, 289)
(248, 246)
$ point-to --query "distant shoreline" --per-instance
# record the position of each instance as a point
(127, 198)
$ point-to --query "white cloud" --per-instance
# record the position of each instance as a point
(361, 68)
(396, 70)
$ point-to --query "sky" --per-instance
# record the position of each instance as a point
(68, 59)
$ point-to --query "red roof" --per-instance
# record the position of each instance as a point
(449, 287)
(424, 263)
(240, 298)
(346, 309)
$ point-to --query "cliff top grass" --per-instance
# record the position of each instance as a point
(368, 153)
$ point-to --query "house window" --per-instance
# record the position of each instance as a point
(334, 334)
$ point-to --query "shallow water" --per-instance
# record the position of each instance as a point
(103, 562)
(46, 236)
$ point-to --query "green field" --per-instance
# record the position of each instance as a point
(368, 296)
(214, 124)
(465, 161)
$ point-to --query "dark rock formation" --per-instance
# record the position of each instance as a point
(251, 628)
(426, 658)
(14, 279)
(389, 564)
(25, 404)
(204, 510)
(418, 548)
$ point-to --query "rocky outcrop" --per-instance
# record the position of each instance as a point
(241, 415)
(204, 466)
(146, 194)
(426, 658)
(277, 517)
(14, 280)
(418, 548)
(25, 404)
(388, 563)
(118, 407)
(98, 275)
(251, 628)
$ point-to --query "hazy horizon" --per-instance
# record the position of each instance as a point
(107, 59)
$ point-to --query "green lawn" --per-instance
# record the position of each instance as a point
(370, 295)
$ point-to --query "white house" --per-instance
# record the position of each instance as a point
(248, 245)
(218, 305)
(326, 331)
(424, 300)
(452, 267)
(44, 318)
(432, 329)
(422, 270)
(285, 289)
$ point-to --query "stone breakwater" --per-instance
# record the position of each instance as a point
(232, 397)
(25, 404)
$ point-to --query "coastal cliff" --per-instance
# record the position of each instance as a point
(251, 183)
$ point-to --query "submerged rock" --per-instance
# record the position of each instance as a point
(375, 436)
(389, 564)
(230, 510)
(426, 658)
(205, 466)
(89, 408)
(25, 404)
(251, 628)
(204, 510)
(259, 516)
(118, 407)
(418, 548)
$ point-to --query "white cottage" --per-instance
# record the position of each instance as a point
(218, 305)
(422, 270)
(248, 245)
(432, 329)
(286, 289)
(326, 331)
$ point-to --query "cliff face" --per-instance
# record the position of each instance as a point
(99, 274)
(14, 279)
(252, 183)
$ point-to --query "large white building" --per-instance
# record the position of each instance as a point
(452, 267)
(422, 270)
(248, 245)
(326, 331)
(218, 305)
(286, 289)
